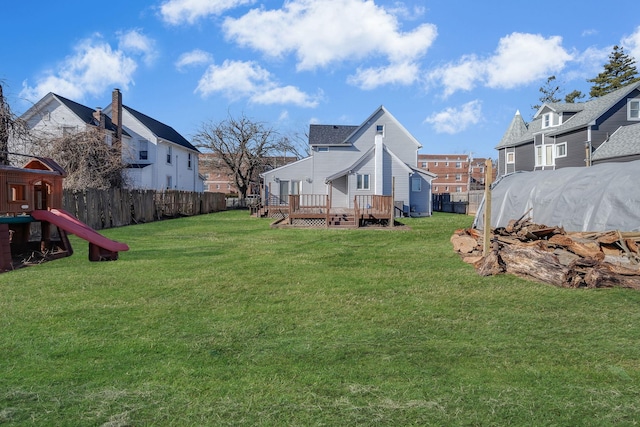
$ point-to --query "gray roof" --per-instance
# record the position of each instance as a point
(86, 114)
(587, 112)
(625, 141)
(160, 129)
(516, 129)
(330, 134)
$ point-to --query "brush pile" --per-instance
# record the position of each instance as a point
(551, 255)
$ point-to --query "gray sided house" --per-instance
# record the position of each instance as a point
(563, 135)
(379, 157)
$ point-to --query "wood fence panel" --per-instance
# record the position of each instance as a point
(101, 209)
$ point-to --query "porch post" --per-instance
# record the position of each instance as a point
(329, 204)
(393, 201)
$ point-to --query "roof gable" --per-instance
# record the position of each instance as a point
(371, 120)
(159, 129)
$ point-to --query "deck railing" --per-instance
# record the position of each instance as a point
(372, 205)
(308, 206)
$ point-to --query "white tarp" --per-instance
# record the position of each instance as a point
(598, 198)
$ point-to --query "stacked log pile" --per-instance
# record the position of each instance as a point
(551, 255)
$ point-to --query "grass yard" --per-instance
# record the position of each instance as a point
(220, 320)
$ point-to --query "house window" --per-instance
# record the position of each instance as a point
(380, 129)
(458, 177)
(458, 189)
(544, 155)
(458, 165)
(68, 130)
(169, 155)
(17, 192)
(435, 163)
(362, 181)
(424, 164)
(189, 160)
(561, 150)
(143, 154)
(169, 182)
(546, 120)
(416, 185)
(633, 109)
(323, 149)
(511, 157)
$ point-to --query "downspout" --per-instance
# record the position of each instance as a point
(379, 186)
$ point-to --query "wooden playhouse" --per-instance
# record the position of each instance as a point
(32, 218)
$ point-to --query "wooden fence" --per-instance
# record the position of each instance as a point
(462, 203)
(101, 209)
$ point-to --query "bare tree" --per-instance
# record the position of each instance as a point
(12, 129)
(90, 162)
(243, 145)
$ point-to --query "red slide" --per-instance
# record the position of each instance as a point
(64, 220)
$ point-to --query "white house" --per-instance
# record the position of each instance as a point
(157, 156)
(379, 157)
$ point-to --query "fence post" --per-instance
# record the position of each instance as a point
(488, 180)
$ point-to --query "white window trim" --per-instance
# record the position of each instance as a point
(512, 155)
(545, 162)
(555, 151)
(362, 181)
(629, 102)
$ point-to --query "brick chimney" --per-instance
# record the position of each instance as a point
(116, 114)
(98, 115)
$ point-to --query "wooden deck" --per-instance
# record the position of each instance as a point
(315, 210)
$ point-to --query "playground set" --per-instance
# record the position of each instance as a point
(32, 218)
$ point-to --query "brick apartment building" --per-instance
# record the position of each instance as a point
(457, 173)
(219, 179)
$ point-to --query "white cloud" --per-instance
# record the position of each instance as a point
(92, 69)
(524, 58)
(631, 44)
(320, 34)
(135, 42)
(193, 58)
(518, 60)
(455, 120)
(238, 79)
(459, 76)
(177, 12)
(588, 63)
(371, 78)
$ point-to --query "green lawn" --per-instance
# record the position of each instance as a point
(222, 320)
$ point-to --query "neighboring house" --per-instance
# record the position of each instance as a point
(218, 177)
(456, 173)
(157, 156)
(622, 145)
(566, 134)
(379, 158)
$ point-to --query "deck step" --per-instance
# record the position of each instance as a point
(342, 221)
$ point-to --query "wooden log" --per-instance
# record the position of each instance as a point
(489, 265)
(532, 262)
(463, 244)
(585, 248)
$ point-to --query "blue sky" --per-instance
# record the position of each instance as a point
(453, 72)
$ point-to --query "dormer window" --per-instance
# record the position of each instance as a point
(633, 109)
(551, 119)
